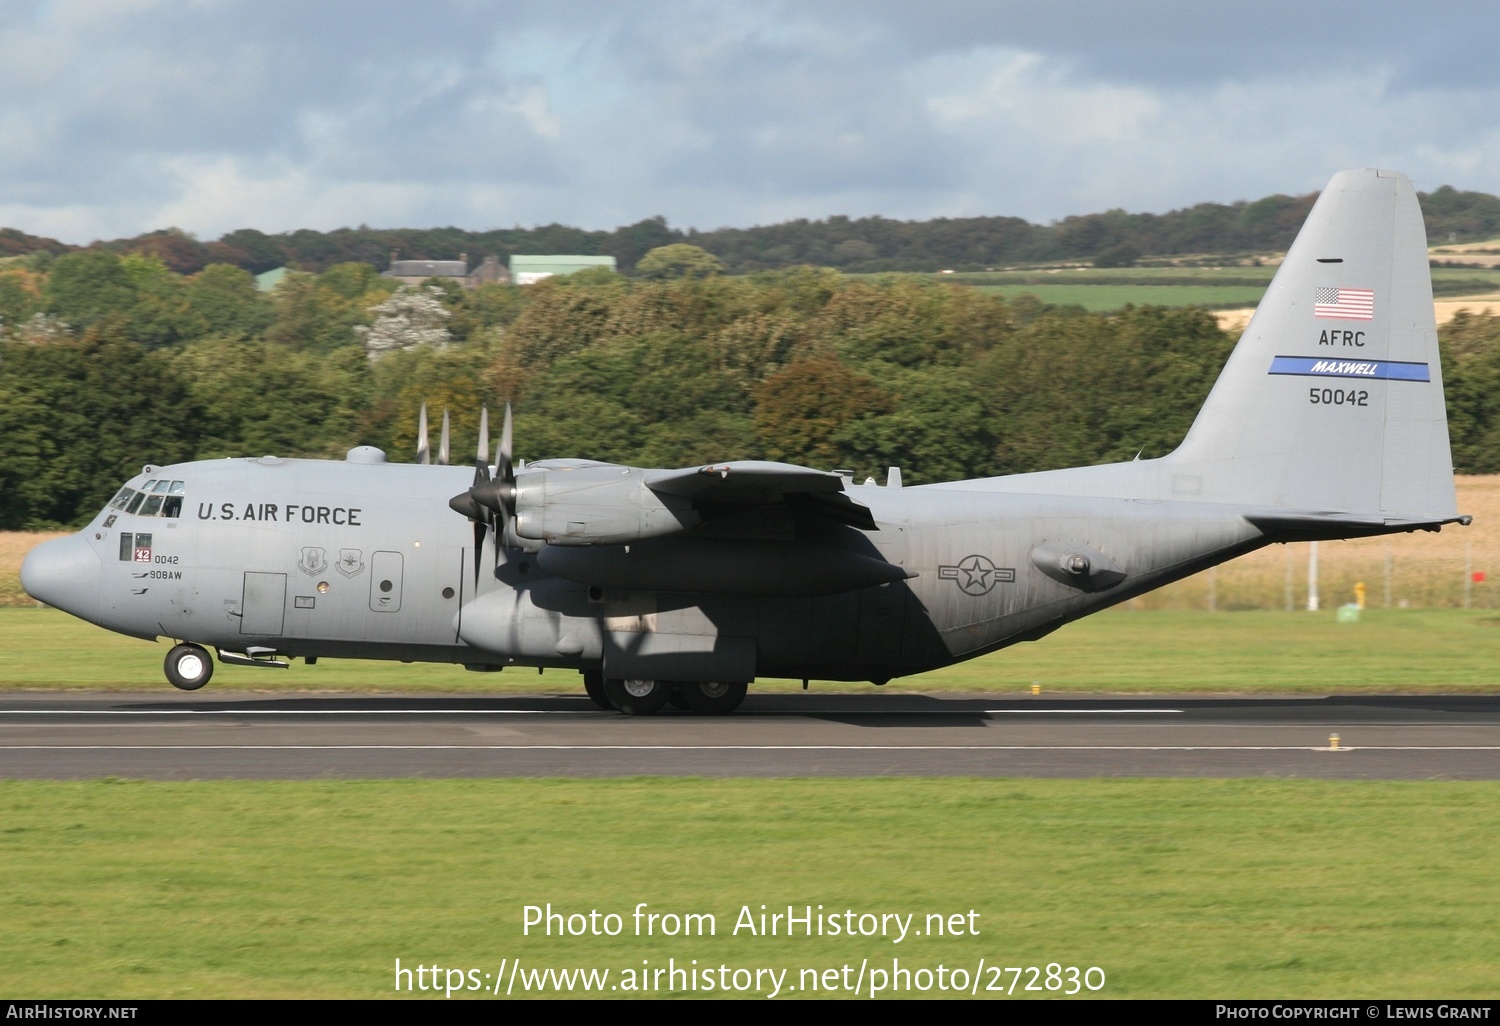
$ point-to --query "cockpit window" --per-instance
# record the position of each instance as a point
(157, 498)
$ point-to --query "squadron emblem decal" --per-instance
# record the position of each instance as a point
(976, 575)
(351, 562)
(313, 561)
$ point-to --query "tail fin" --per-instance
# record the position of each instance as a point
(1333, 399)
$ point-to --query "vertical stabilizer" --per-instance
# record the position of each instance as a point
(1333, 398)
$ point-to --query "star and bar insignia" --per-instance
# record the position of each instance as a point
(976, 575)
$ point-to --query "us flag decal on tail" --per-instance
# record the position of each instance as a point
(1344, 304)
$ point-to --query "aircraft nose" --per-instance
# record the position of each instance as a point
(64, 573)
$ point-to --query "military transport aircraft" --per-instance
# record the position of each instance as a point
(686, 585)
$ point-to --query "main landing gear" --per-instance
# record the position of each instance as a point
(188, 667)
(637, 697)
(593, 683)
(644, 697)
(712, 698)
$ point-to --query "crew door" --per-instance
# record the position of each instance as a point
(263, 604)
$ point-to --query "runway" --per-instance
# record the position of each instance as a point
(71, 735)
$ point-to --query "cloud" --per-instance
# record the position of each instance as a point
(217, 114)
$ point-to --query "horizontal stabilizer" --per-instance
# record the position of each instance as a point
(1315, 525)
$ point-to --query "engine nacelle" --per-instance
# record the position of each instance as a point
(596, 505)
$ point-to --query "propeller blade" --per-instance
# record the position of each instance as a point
(504, 488)
(443, 443)
(422, 453)
(503, 464)
(500, 496)
(489, 502)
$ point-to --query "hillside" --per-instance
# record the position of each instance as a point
(1206, 230)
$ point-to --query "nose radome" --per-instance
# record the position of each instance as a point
(64, 573)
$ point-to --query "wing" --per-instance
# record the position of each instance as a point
(759, 483)
(607, 504)
(658, 557)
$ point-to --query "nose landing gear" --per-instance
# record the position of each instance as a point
(188, 667)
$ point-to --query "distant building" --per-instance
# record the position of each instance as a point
(414, 272)
(268, 280)
(489, 273)
(528, 270)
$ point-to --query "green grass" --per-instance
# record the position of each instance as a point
(1098, 290)
(1432, 650)
(1098, 298)
(1176, 888)
(1245, 276)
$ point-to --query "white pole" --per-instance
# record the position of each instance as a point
(1468, 576)
(1312, 578)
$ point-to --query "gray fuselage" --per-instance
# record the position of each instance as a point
(362, 560)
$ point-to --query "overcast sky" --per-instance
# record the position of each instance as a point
(123, 116)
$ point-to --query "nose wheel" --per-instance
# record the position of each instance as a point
(188, 667)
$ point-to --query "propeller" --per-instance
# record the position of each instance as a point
(422, 452)
(490, 502)
(443, 443)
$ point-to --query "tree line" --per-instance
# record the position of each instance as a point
(109, 362)
(869, 244)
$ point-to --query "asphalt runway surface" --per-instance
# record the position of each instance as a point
(166, 736)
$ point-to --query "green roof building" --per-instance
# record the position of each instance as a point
(268, 280)
(528, 270)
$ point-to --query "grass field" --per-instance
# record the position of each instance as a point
(1100, 298)
(1230, 275)
(1174, 888)
(1100, 290)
